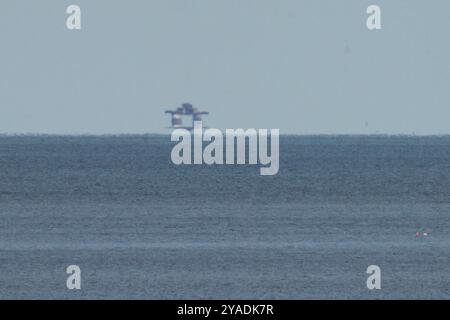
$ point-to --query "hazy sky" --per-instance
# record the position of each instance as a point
(303, 66)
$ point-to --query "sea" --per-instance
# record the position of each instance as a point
(140, 227)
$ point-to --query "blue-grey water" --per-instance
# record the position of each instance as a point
(140, 227)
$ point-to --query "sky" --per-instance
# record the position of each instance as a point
(301, 66)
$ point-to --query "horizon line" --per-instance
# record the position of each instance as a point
(34, 134)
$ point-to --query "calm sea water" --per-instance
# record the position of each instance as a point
(140, 227)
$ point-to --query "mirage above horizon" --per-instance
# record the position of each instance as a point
(213, 153)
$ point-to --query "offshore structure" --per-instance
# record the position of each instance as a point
(186, 109)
